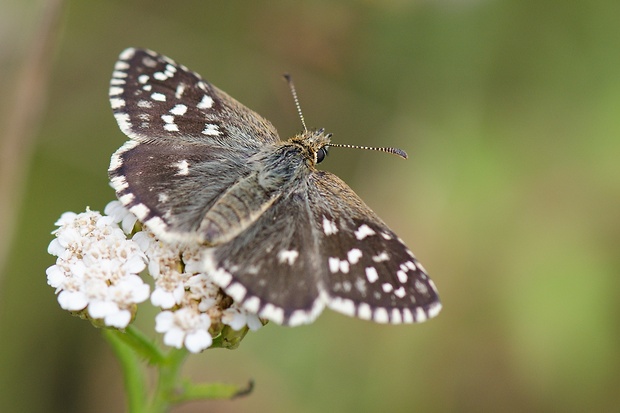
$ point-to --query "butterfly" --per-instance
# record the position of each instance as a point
(278, 235)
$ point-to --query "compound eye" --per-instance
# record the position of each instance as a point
(320, 154)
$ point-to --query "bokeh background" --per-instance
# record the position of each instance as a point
(510, 110)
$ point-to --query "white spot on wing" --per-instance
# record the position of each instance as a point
(400, 292)
(127, 53)
(121, 65)
(298, 317)
(364, 311)
(421, 287)
(205, 103)
(145, 104)
(371, 274)
(179, 110)
(115, 90)
(420, 315)
(434, 310)
(346, 286)
(364, 231)
(146, 61)
(141, 211)
(381, 315)
(161, 197)
(387, 287)
(183, 167)
(396, 316)
(158, 96)
(142, 79)
(273, 313)
(343, 305)
(211, 129)
(179, 91)
(221, 277)
(334, 264)
(236, 291)
(157, 225)
(402, 276)
(354, 255)
(123, 122)
(287, 256)
(360, 284)
(117, 103)
(407, 316)
(127, 199)
(119, 183)
(381, 257)
(329, 227)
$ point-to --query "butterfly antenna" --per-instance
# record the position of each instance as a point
(393, 151)
(291, 86)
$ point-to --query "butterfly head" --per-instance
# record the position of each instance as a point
(313, 144)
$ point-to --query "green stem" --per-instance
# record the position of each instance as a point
(132, 346)
(165, 392)
(130, 367)
(143, 345)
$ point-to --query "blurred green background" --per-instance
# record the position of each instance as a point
(510, 111)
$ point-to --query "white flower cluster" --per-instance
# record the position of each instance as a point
(191, 302)
(193, 306)
(97, 268)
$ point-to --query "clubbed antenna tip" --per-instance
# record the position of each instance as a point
(393, 151)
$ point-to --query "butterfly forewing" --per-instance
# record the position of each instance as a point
(190, 141)
(156, 99)
(171, 187)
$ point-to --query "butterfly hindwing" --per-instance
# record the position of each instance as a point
(368, 271)
(273, 267)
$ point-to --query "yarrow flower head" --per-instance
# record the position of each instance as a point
(96, 275)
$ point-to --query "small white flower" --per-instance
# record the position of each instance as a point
(72, 300)
(237, 318)
(167, 299)
(185, 327)
(198, 341)
(119, 213)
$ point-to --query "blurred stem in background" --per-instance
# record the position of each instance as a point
(23, 117)
(132, 346)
